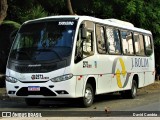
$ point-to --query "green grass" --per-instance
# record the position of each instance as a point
(11, 23)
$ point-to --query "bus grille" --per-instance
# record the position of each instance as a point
(43, 91)
(24, 69)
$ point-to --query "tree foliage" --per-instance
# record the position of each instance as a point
(37, 12)
(142, 13)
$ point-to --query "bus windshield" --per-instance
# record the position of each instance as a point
(44, 41)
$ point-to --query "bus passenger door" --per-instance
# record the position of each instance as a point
(104, 79)
(84, 56)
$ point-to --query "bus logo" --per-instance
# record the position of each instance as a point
(120, 73)
(38, 76)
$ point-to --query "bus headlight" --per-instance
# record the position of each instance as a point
(11, 79)
(62, 78)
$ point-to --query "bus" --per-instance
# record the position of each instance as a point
(79, 57)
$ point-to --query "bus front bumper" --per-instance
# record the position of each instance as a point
(49, 89)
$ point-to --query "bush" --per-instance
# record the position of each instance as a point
(36, 12)
(6, 28)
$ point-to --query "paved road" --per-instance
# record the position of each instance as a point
(144, 102)
(154, 106)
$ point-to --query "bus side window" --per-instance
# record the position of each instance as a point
(101, 44)
(88, 45)
(113, 40)
(139, 44)
(127, 42)
(148, 45)
(79, 51)
(84, 47)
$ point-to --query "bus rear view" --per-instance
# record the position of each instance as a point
(39, 58)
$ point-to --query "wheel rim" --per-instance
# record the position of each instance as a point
(88, 95)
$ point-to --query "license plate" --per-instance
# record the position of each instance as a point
(33, 88)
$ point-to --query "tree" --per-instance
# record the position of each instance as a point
(3, 9)
(69, 6)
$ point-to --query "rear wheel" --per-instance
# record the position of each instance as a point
(32, 101)
(88, 98)
(132, 93)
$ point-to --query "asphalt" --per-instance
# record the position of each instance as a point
(154, 105)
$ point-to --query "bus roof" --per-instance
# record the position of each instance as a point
(110, 22)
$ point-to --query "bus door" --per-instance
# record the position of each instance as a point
(104, 79)
(84, 55)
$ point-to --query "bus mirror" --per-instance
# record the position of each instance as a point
(83, 33)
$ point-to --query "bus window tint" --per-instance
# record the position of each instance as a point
(88, 45)
(79, 51)
(148, 45)
(139, 44)
(113, 40)
(101, 46)
(127, 42)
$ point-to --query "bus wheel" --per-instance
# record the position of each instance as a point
(88, 98)
(32, 101)
(132, 93)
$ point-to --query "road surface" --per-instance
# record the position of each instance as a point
(147, 101)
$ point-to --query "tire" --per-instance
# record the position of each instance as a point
(32, 101)
(132, 93)
(88, 98)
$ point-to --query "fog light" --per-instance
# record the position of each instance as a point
(11, 92)
(62, 92)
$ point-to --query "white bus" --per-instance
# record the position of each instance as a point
(79, 57)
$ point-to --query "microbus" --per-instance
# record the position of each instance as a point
(79, 57)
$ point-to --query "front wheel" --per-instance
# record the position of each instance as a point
(32, 101)
(88, 98)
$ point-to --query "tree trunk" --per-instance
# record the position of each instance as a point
(69, 6)
(3, 9)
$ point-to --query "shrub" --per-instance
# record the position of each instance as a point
(6, 28)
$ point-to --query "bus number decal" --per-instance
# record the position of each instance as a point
(86, 64)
